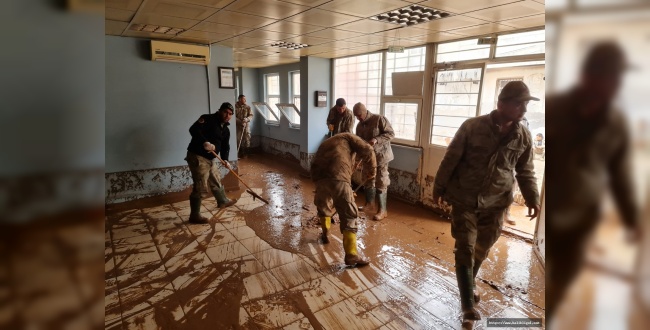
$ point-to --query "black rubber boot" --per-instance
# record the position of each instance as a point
(466, 290)
(222, 199)
(195, 212)
(477, 265)
(370, 200)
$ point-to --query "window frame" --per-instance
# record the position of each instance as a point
(256, 106)
(268, 96)
(281, 107)
(292, 91)
(418, 119)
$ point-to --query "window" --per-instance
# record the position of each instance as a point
(265, 110)
(403, 117)
(291, 112)
(358, 79)
(456, 100)
(410, 60)
(272, 92)
(525, 43)
(295, 88)
(462, 51)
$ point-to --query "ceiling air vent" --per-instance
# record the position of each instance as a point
(410, 15)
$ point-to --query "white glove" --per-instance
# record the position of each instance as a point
(209, 146)
(246, 120)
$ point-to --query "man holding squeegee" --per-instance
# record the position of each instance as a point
(210, 136)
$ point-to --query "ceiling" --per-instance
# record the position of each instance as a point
(331, 28)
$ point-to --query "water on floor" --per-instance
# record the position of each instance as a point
(258, 266)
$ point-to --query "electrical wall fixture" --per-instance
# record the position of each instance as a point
(156, 29)
(288, 45)
(410, 15)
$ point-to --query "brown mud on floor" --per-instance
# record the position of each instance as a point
(258, 266)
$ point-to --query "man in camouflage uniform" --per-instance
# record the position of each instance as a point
(340, 119)
(377, 131)
(209, 133)
(332, 170)
(243, 115)
(590, 144)
(476, 177)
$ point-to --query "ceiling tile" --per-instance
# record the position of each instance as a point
(363, 8)
(449, 23)
(118, 14)
(193, 40)
(213, 37)
(340, 45)
(178, 9)
(463, 6)
(267, 35)
(334, 34)
(233, 43)
(403, 32)
(177, 22)
(369, 39)
(526, 22)
(509, 11)
(310, 3)
(131, 5)
(483, 29)
(149, 35)
(208, 3)
(220, 28)
(322, 18)
(292, 28)
(437, 37)
(239, 19)
(266, 8)
(367, 26)
(251, 42)
(114, 27)
(308, 40)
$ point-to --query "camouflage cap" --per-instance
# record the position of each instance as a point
(516, 90)
(606, 58)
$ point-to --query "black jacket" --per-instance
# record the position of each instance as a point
(209, 128)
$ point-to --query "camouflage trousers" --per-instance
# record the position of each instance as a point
(475, 232)
(382, 180)
(337, 195)
(246, 139)
(205, 175)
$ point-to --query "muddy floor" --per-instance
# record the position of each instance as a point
(258, 266)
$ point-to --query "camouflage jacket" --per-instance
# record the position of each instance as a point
(596, 156)
(477, 170)
(378, 127)
(335, 158)
(242, 111)
(342, 123)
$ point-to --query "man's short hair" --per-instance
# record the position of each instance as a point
(227, 105)
(340, 102)
(240, 96)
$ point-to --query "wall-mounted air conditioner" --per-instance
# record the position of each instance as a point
(177, 52)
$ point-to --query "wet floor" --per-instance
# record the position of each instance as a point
(259, 266)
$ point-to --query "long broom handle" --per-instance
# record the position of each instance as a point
(249, 190)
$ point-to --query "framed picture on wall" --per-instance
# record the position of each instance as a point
(226, 77)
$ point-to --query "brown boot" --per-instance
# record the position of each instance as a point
(222, 199)
(355, 261)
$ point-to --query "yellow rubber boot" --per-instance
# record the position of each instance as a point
(350, 246)
(325, 223)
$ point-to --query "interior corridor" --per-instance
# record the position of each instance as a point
(260, 266)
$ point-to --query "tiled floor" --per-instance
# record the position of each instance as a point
(164, 273)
